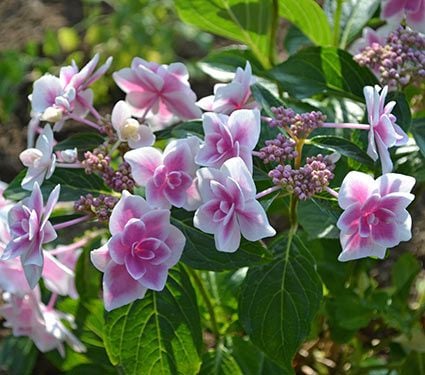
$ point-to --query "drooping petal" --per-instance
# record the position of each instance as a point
(228, 235)
(100, 257)
(119, 288)
(356, 247)
(394, 183)
(245, 127)
(253, 222)
(203, 218)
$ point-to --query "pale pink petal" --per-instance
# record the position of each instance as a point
(228, 236)
(356, 247)
(203, 218)
(157, 223)
(176, 242)
(146, 138)
(119, 288)
(120, 113)
(384, 155)
(134, 231)
(394, 183)
(182, 104)
(253, 222)
(236, 168)
(100, 257)
(50, 205)
(143, 162)
(385, 234)
(356, 188)
(178, 157)
(127, 80)
(141, 102)
(396, 201)
(205, 176)
(349, 219)
(245, 127)
(99, 72)
(135, 266)
(150, 80)
(118, 249)
(57, 277)
(155, 196)
(128, 207)
(45, 91)
(206, 103)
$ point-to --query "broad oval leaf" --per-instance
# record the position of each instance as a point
(278, 302)
(326, 70)
(309, 17)
(247, 21)
(159, 334)
(82, 141)
(343, 146)
(219, 362)
(200, 251)
(74, 183)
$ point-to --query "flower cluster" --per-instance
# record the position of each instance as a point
(100, 206)
(397, 61)
(278, 150)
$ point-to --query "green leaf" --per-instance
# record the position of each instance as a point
(325, 70)
(159, 334)
(278, 302)
(219, 362)
(82, 141)
(309, 17)
(200, 251)
(343, 146)
(354, 16)
(318, 218)
(17, 355)
(403, 273)
(228, 59)
(418, 131)
(74, 183)
(247, 21)
(414, 364)
(295, 40)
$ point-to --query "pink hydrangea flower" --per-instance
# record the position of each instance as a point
(30, 228)
(128, 129)
(375, 216)
(414, 11)
(53, 98)
(28, 316)
(229, 136)
(384, 132)
(40, 161)
(229, 206)
(143, 246)
(231, 96)
(159, 90)
(167, 176)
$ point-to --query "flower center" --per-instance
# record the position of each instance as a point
(142, 252)
(130, 130)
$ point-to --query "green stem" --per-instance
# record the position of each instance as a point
(337, 22)
(274, 27)
(202, 290)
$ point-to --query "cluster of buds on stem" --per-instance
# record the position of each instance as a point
(100, 206)
(399, 61)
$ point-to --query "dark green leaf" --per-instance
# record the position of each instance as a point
(74, 183)
(343, 146)
(17, 355)
(200, 251)
(82, 141)
(418, 131)
(219, 362)
(246, 21)
(401, 110)
(278, 302)
(159, 334)
(403, 274)
(309, 17)
(326, 70)
(295, 40)
(414, 364)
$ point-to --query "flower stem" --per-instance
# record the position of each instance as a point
(332, 192)
(268, 191)
(345, 125)
(52, 301)
(85, 121)
(69, 165)
(202, 290)
(256, 153)
(69, 223)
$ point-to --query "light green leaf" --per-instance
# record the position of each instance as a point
(247, 21)
(278, 302)
(309, 17)
(159, 334)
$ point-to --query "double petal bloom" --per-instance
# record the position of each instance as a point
(40, 160)
(384, 132)
(375, 216)
(229, 136)
(143, 246)
(167, 176)
(233, 95)
(30, 228)
(229, 206)
(414, 11)
(160, 90)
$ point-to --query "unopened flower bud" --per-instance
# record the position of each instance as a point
(52, 114)
(130, 129)
(30, 157)
(70, 155)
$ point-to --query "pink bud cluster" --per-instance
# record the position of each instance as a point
(398, 61)
(278, 150)
(306, 181)
(101, 206)
(299, 125)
